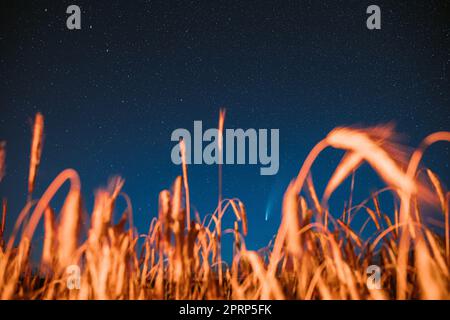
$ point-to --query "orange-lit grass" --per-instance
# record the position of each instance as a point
(314, 255)
(36, 150)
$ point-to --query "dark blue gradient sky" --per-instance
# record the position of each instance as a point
(113, 92)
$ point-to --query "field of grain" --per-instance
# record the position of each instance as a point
(315, 255)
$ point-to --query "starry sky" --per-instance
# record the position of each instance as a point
(113, 92)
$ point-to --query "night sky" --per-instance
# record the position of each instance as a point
(113, 92)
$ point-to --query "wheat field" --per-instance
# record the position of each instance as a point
(314, 255)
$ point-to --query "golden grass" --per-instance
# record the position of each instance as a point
(315, 255)
(36, 150)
